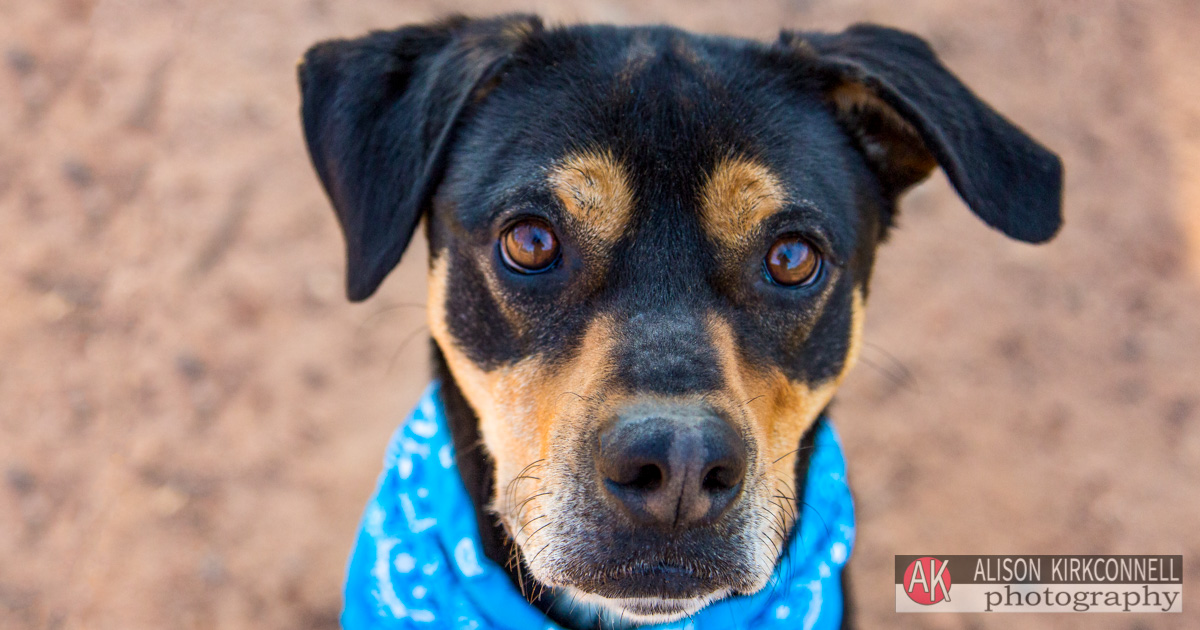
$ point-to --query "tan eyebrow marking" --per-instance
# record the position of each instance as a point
(738, 195)
(596, 192)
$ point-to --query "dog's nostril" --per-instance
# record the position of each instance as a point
(649, 477)
(720, 478)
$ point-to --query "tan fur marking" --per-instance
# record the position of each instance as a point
(898, 145)
(779, 411)
(738, 195)
(596, 193)
(523, 407)
(850, 96)
(858, 314)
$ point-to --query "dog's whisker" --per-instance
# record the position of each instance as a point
(511, 497)
(787, 483)
(535, 556)
(793, 451)
(753, 399)
(404, 343)
(520, 477)
(518, 513)
(579, 396)
(510, 494)
(522, 504)
(511, 490)
(769, 542)
(478, 444)
(527, 525)
(824, 522)
(536, 462)
(385, 310)
(515, 565)
(791, 500)
(901, 370)
(778, 501)
(775, 529)
(777, 521)
(535, 533)
(903, 381)
(558, 399)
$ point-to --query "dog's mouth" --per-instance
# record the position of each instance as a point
(650, 582)
(648, 576)
(647, 593)
(701, 528)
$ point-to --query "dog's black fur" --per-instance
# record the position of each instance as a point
(466, 115)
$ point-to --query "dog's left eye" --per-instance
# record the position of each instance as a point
(792, 262)
(529, 246)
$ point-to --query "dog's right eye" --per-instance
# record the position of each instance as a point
(529, 246)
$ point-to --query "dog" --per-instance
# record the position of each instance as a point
(650, 254)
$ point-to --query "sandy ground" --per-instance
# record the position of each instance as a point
(191, 416)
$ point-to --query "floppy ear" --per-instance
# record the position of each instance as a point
(908, 113)
(379, 114)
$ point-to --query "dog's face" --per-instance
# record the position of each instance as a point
(650, 252)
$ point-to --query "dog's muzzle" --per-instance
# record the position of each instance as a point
(418, 557)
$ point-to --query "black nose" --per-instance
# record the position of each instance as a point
(674, 467)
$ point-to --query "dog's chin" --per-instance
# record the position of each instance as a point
(644, 610)
(653, 588)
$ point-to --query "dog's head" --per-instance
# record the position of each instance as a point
(649, 256)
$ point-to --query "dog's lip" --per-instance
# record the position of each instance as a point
(658, 582)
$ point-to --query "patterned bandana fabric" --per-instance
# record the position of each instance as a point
(418, 562)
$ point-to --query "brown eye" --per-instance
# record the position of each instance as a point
(792, 262)
(529, 246)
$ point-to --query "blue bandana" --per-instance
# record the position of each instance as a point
(418, 561)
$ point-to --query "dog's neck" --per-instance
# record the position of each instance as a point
(478, 475)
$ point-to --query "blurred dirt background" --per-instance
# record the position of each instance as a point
(192, 417)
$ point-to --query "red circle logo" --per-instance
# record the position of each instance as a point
(927, 581)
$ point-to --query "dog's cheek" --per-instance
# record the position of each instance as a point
(530, 411)
(501, 396)
(778, 411)
(572, 396)
(789, 407)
